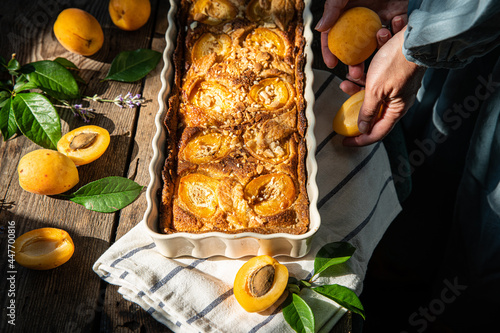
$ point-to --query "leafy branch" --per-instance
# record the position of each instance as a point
(298, 314)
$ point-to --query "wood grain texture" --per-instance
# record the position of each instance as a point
(72, 298)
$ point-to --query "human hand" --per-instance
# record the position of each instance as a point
(392, 83)
(391, 12)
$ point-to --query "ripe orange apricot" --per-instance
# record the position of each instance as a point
(259, 283)
(78, 31)
(44, 248)
(345, 121)
(129, 14)
(47, 172)
(84, 144)
(353, 37)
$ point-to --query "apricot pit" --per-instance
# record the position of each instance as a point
(259, 283)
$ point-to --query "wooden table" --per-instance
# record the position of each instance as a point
(72, 298)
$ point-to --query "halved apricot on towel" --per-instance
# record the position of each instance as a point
(213, 12)
(84, 144)
(259, 283)
(271, 193)
(211, 43)
(44, 248)
(199, 193)
(353, 38)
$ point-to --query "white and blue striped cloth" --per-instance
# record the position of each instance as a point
(357, 202)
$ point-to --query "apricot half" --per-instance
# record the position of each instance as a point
(44, 248)
(129, 15)
(84, 144)
(345, 121)
(47, 172)
(259, 283)
(353, 38)
(209, 43)
(272, 93)
(78, 32)
(213, 12)
(206, 148)
(271, 193)
(198, 193)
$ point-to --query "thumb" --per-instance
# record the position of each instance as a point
(369, 112)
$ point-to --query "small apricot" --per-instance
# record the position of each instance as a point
(43, 248)
(78, 31)
(47, 172)
(353, 38)
(129, 15)
(259, 283)
(84, 144)
(345, 121)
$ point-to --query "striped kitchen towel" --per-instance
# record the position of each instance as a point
(357, 202)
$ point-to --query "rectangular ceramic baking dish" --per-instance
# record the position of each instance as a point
(217, 243)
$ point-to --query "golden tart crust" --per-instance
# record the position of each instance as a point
(236, 120)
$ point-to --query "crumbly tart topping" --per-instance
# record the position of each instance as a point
(236, 120)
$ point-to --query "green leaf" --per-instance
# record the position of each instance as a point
(37, 119)
(8, 125)
(130, 66)
(65, 62)
(107, 195)
(332, 254)
(53, 78)
(71, 67)
(298, 314)
(343, 296)
(13, 65)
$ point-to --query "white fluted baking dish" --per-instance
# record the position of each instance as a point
(216, 243)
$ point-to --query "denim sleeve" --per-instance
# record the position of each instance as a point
(450, 33)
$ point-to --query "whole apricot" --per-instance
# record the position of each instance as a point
(47, 172)
(78, 32)
(353, 38)
(84, 144)
(43, 248)
(129, 14)
(259, 283)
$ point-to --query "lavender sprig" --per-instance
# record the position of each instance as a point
(79, 111)
(122, 101)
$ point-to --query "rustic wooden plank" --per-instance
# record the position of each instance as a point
(119, 314)
(69, 298)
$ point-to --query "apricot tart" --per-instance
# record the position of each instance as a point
(235, 159)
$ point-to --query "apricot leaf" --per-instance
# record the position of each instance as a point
(53, 78)
(37, 119)
(343, 296)
(131, 66)
(298, 314)
(8, 125)
(107, 195)
(332, 254)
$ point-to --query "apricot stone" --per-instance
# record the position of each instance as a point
(47, 172)
(78, 32)
(129, 15)
(259, 283)
(43, 248)
(353, 38)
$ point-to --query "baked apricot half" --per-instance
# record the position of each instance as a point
(271, 193)
(84, 144)
(43, 248)
(213, 12)
(259, 283)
